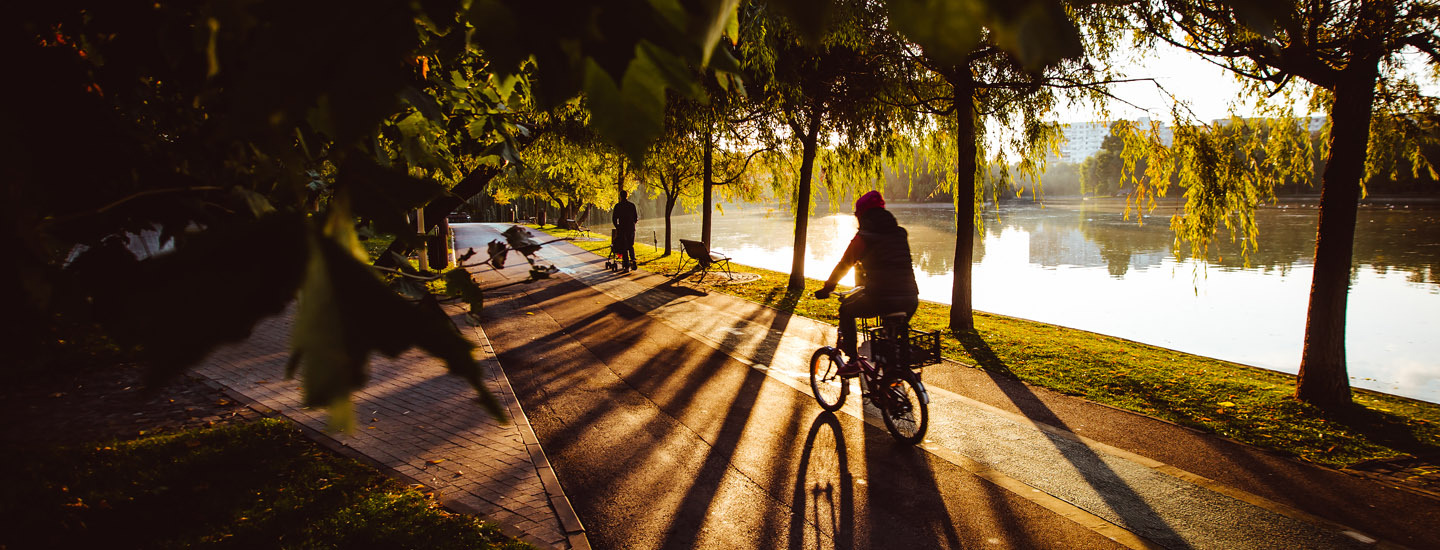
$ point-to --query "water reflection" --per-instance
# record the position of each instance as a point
(1083, 265)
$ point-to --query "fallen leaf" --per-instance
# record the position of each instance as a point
(436, 461)
(529, 313)
(1226, 404)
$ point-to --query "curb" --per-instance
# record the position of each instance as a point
(569, 521)
(337, 447)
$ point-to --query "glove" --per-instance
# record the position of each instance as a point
(823, 293)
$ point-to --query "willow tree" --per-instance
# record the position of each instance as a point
(826, 86)
(1348, 58)
(673, 167)
(705, 145)
(1004, 71)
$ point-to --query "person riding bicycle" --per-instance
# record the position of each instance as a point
(881, 252)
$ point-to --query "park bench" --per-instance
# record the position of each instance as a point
(576, 226)
(704, 258)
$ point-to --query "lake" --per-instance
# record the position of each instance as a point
(1080, 264)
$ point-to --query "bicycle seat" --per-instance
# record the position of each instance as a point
(899, 316)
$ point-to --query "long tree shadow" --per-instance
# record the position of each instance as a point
(701, 495)
(1134, 513)
(981, 353)
(678, 379)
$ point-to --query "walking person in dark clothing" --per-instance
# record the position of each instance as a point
(624, 218)
(881, 253)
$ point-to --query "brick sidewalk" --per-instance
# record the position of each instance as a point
(423, 426)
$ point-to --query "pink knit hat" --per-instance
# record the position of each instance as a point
(868, 201)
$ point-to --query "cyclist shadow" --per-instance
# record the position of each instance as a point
(823, 499)
(900, 502)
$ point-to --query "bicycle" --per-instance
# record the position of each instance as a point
(888, 377)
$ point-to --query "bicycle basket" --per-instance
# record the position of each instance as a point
(924, 348)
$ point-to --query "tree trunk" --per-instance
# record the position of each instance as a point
(670, 199)
(1323, 379)
(962, 318)
(708, 184)
(802, 203)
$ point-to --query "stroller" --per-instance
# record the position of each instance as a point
(618, 247)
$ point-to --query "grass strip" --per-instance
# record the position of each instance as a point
(253, 485)
(1251, 405)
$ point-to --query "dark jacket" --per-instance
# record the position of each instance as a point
(881, 252)
(625, 217)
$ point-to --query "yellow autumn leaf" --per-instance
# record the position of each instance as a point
(1226, 404)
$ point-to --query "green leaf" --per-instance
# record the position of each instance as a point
(246, 272)
(459, 282)
(403, 264)
(346, 312)
(708, 21)
(384, 195)
(1038, 32)
(810, 18)
(409, 288)
(632, 115)
(947, 30)
(424, 103)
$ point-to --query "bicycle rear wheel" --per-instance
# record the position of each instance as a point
(905, 413)
(825, 381)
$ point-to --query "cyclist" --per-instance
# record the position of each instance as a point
(881, 252)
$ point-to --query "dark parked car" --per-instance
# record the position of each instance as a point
(459, 217)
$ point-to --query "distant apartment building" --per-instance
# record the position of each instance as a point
(1083, 139)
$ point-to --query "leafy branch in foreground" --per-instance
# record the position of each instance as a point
(245, 143)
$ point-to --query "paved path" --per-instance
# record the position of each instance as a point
(424, 427)
(628, 368)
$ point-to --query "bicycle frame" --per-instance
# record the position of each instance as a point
(874, 365)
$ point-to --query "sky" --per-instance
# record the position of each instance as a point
(1208, 88)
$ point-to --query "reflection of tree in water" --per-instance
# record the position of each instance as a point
(932, 238)
(1402, 239)
(1120, 241)
(1093, 235)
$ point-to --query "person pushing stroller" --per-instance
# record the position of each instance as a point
(624, 217)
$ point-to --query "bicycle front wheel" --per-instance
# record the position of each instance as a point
(906, 414)
(825, 381)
